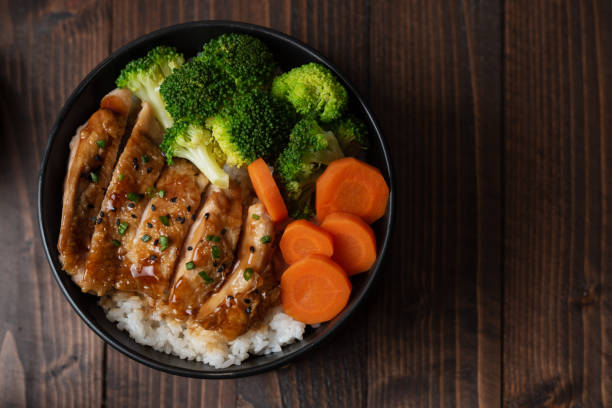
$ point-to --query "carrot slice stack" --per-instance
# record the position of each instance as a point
(302, 238)
(314, 289)
(354, 242)
(266, 189)
(352, 186)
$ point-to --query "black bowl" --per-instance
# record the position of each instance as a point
(188, 38)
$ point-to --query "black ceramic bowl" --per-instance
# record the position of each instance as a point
(188, 38)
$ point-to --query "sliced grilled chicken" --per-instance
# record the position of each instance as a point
(234, 308)
(135, 174)
(208, 252)
(163, 226)
(93, 151)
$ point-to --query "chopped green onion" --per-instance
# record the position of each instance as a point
(121, 177)
(133, 197)
(161, 193)
(163, 242)
(266, 239)
(146, 238)
(150, 192)
(123, 227)
(216, 252)
(101, 143)
(212, 238)
(164, 220)
(116, 243)
(145, 158)
(205, 276)
(189, 265)
(248, 274)
(94, 177)
(255, 216)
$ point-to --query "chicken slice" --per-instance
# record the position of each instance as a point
(93, 151)
(151, 259)
(135, 174)
(217, 225)
(236, 306)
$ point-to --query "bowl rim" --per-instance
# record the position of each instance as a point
(283, 359)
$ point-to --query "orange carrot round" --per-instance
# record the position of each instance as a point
(314, 289)
(266, 189)
(354, 242)
(302, 238)
(352, 186)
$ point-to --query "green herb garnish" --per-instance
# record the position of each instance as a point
(216, 252)
(189, 265)
(255, 216)
(266, 239)
(101, 143)
(248, 274)
(94, 177)
(150, 192)
(212, 238)
(121, 177)
(116, 243)
(164, 220)
(133, 197)
(123, 227)
(163, 242)
(161, 193)
(205, 276)
(145, 158)
(146, 238)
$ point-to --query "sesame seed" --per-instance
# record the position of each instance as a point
(206, 215)
(189, 248)
(135, 163)
(99, 220)
(153, 257)
(149, 225)
(101, 214)
(156, 242)
(131, 205)
(149, 170)
(188, 208)
(173, 200)
(252, 249)
(153, 207)
(134, 216)
(118, 222)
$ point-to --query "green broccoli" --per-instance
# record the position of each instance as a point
(251, 125)
(309, 151)
(244, 58)
(351, 133)
(196, 144)
(313, 91)
(144, 76)
(195, 91)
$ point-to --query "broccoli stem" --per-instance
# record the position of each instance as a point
(204, 160)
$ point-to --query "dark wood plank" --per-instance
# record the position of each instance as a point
(558, 156)
(434, 329)
(48, 357)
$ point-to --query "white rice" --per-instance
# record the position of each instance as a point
(147, 326)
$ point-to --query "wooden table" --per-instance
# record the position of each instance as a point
(497, 289)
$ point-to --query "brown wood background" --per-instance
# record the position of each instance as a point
(498, 287)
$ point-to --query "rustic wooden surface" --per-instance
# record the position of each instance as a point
(497, 290)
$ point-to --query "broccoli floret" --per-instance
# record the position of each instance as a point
(244, 58)
(195, 91)
(309, 151)
(144, 76)
(251, 125)
(351, 133)
(196, 144)
(313, 91)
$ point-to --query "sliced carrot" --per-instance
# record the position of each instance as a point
(267, 191)
(352, 186)
(354, 242)
(314, 289)
(302, 238)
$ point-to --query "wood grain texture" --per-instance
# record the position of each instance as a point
(45, 50)
(498, 289)
(442, 89)
(558, 245)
